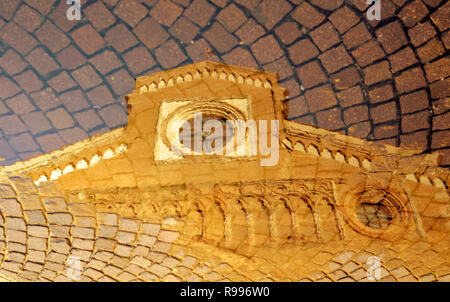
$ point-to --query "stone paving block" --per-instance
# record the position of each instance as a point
(52, 37)
(10, 207)
(270, 12)
(307, 15)
(6, 191)
(99, 15)
(120, 38)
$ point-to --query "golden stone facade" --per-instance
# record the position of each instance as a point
(131, 212)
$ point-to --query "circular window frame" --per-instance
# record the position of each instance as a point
(396, 227)
(176, 119)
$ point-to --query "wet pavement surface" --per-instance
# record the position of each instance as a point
(62, 81)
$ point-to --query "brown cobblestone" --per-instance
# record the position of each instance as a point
(201, 50)
(169, 54)
(350, 96)
(415, 101)
(415, 121)
(220, 38)
(165, 12)
(383, 113)
(99, 16)
(391, 37)
(440, 89)
(343, 19)
(402, 59)
(335, 59)
(59, 17)
(121, 82)
(199, 12)
(430, 50)
(86, 77)
(231, 17)
(9, 88)
(280, 66)
(296, 107)
(446, 39)
(381, 94)
(302, 51)
(28, 18)
(99, 96)
(325, 36)
(432, 3)
(346, 78)
(376, 73)
(311, 75)
(50, 142)
(441, 106)
(249, 32)
(61, 82)
(421, 33)
(440, 139)
(307, 15)
(410, 80)
(356, 36)
(88, 119)
(72, 135)
(41, 61)
(52, 37)
(29, 81)
(70, 58)
(270, 12)
(74, 100)
(106, 61)
(11, 124)
(60, 118)
(292, 87)
(240, 56)
(7, 9)
(413, 12)
(130, 11)
(387, 10)
(120, 38)
(438, 69)
(87, 39)
(44, 7)
(11, 62)
(45, 99)
(17, 38)
(288, 32)
(36, 122)
(184, 30)
(417, 140)
(250, 4)
(158, 36)
(266, 50)
(441, 122)
(440, 17)
(320, 98)
(368, 53)
(356, 114)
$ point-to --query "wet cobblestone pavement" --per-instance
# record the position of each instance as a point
(62, 81)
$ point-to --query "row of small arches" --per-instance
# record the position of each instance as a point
(80, 164)
(188, 77)
(325, 153)
(354, 161)
(423, 179)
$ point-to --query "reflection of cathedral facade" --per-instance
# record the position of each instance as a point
(129, 209)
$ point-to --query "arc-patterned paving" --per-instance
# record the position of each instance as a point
(63, 81)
